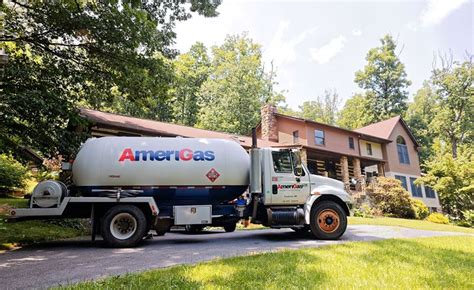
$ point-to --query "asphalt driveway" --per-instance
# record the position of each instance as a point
(50, 264)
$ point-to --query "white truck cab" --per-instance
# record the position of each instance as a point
(295, 198)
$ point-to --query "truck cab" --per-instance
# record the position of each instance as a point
(290, 196)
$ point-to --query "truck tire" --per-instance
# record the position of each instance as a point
(229, 228)
(123, 226)
(328, 220)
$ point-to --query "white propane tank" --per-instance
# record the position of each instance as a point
(161, 163)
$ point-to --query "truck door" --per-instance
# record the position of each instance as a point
(290, 182)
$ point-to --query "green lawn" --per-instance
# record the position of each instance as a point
(27, 232)
(415, 224)
(441, 262)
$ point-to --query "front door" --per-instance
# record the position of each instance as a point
(290, 182)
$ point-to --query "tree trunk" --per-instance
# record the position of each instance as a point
(454, 146)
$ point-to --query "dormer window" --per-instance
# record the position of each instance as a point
(402, 151)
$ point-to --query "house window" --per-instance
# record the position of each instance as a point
(351, 142)
(369, 149)
(415, 189)
(402, 151)
(403, 179)
(296, 137)
(430, 193)
(319, 137)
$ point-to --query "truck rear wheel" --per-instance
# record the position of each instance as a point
(328, 221)
(123, 226)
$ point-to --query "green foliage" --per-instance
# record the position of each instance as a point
(12, 173)
(467, 218)
(421, 210)
(101, 54)
(323, 109)
(419, 117)
(364, 211)
(453, 180)
(236, 88)
(389, 197)
(454, 118)
(385, 81)
(191, 70)
(355, 114)
(438, 218)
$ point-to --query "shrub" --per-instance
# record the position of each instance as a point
(438, 218)
(421, 210)
(389, 197)
(12, 173)
(467, 219)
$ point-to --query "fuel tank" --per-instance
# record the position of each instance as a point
(173, 170)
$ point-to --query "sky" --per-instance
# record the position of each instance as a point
(319, 45)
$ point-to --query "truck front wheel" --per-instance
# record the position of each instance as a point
(123, 226)
(328, 221)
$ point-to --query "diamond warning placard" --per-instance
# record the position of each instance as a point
(212, 175)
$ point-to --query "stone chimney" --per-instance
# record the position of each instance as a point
(269, 123)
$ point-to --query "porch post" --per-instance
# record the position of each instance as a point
(345, 172)
(381, 169)
(304, 156)
(358, 175)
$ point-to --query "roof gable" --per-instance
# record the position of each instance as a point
(384, 129)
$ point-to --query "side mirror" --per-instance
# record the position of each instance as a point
(299, 170)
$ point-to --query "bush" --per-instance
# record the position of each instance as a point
(389, 197)
(12, 173)
(421, 210)
(467, 219)
(438, 218)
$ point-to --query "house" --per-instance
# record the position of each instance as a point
(387, 148)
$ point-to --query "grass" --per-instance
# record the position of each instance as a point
(441, 262)
(415, 224)
(28, 232)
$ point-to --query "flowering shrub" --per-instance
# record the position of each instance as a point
(438, 218)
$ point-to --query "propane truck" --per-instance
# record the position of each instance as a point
(130, 185)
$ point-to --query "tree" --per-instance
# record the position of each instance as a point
(109, 55)
(323, 109)
(419, 117)
(354, 114)
(191, 71)
(452, 178)
(385, 81)
(236, 88)
(454, 121)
